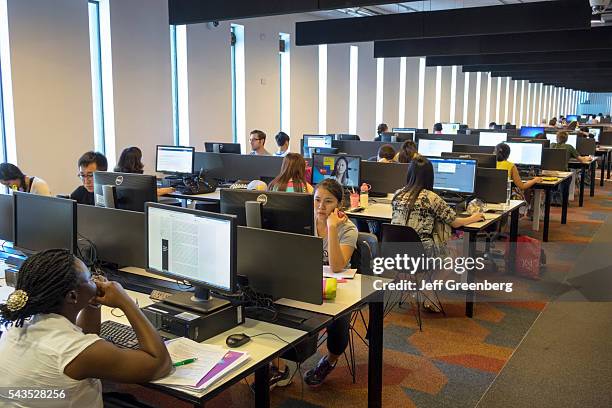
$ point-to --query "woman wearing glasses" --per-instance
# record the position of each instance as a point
(88, 164)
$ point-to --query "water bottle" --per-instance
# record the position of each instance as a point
(364, 196)
(508, 193)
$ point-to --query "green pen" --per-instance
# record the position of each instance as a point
(184, 362)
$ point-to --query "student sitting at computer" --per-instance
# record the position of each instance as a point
(257, 139)
(52, 342)
(386, 154)
(130, 161)
(14, 179)
(408, 152)
(492, 125)
(89, 163)
(572, 152)
(502, 151)
(382, 128)
(339, 241)
(417, 206)
(552, 122)
(292, 177)
(282, 140)
(437, 128)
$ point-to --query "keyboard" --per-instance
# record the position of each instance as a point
(120, 335)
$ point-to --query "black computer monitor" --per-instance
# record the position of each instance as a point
(43, 222)
(392, 137)
(454, 175)
(274, 210)
(509, 127)
(316, 141)
(491, 138)
(483, 160)
(174, 159)
(466, 148)
(543, 142)
(194, 246)
(124, 190)
(6, 217)
(526, 154)
(434, 147)
(384, 177)
(531, 131)
(345, 169)
(221, 147)
(342, 136)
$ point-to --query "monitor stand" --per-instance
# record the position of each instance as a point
(201, 301)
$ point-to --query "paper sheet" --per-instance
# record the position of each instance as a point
(5, 291)
(345, 274)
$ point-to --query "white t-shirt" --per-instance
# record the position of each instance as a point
(35, 355)
(40, 187)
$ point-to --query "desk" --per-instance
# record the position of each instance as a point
(575, 164)
(383, 212)
(564, 179)
(352, 295)
(262, 350)
(605, 152)
(609, 149)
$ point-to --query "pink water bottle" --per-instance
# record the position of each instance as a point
(364, 196)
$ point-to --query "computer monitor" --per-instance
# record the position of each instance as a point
(450, 128)
(456, 175)
(194, 246)
(43, 222)
(531, 131)
(124, 190)
(544, 142)
(6, 217)
(404, 130)
(384, 178)
(492, 138)
(345, 169)
(526, 154)
(434, 148)
(392, 137)
(571, 139)
(572, 118)
(218, 147)
(595, 132)
(342, 136)
(174, 159)
(316, 141)
(274, 210)
(483, 160)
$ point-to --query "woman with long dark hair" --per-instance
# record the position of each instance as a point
(14, 179)
(130, 161)
(407, 152)
(292, 177)
(417, 206)
(340, 172)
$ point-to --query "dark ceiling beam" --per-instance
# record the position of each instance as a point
(204, 11)
(554, 74)
(557, 66)
(523, 58)
(472, 21)
(593, 39)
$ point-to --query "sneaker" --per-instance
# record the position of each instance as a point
(290, 369)
(317, 375)
(276, 377)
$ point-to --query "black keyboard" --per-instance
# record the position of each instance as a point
(120, 335)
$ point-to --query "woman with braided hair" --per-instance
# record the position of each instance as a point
(52, 320)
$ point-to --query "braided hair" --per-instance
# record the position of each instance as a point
(46, 278)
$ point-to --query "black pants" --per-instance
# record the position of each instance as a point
(338, 335)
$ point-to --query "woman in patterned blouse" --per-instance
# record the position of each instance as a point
(417, 206)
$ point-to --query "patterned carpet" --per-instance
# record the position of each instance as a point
(452, 362)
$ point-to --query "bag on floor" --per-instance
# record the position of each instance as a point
(528, 256)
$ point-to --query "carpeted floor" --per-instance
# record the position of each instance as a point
(453, 361)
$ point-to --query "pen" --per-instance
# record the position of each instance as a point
(184, 362)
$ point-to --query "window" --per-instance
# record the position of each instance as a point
(498, 100)
(466, 97)
(421, 102)
(284, 60)
(238, 84)
(521, 123)
(477, 104)
(380, 87)
(323, 89)
(7, 126)
(437, 102)
(102, 78)
(488, 102)
(453, 94)
(506, 108)
(514, 102)
(353, 75)
(180, 87)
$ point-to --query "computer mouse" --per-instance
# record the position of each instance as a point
(237, 340)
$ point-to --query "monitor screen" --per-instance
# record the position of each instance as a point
(316, 141)
(527, 154)
(531, 131)
(404, 130)
(345, 169)
(571, 139)
(572, 118)
(595, 132)
(192, 245)
(174, 159)
(434, 148)
(492, 138)
(455, 175)
(44, 222)
(450, 128)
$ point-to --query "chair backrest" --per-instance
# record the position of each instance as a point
(366, 251)
(394, 240)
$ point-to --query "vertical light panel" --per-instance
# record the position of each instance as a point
(239, 87)
(545, 107)
(107, 83)
(7, 121)
(540, 117)
(488, 101)
(182, 85)
(380, 86)
(477, 107)
(421, 101)
(453, 94)
(528, 106)
(402, 93)
(353, 78)
(534, 120)
(285, 84)
(498, 100)
(514, 102)
(553, 106)
(466, 95)
(506, 118)
(438, 94)
(521, 123)
(323, 89)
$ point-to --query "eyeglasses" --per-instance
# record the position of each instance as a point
(252, 139)
(84, 176)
